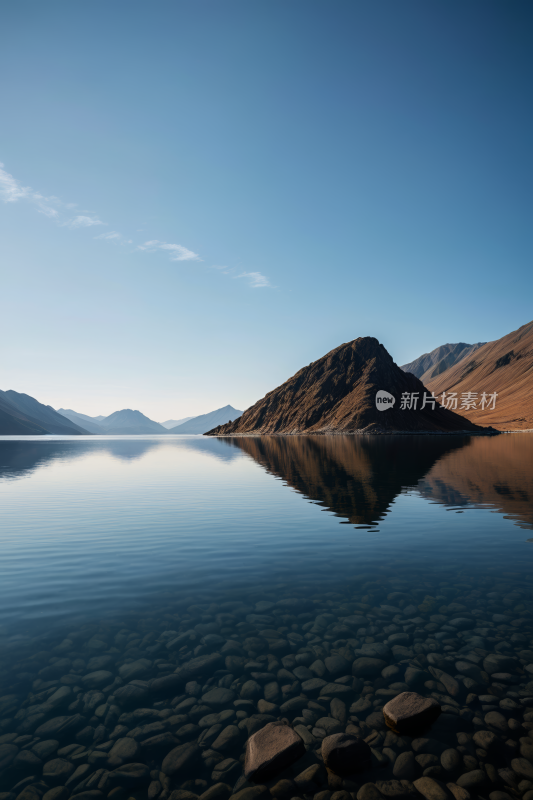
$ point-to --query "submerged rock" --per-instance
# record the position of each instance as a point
(271, 750)
(409, 713)
(181, 757)
(430, 789)
(345, 754)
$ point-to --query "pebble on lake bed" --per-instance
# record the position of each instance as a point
(282, 695)
(346, 754)
(409, 713)
(270, 750)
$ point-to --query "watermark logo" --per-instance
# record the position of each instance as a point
(409, 401)
(468, 401)
(384, 400)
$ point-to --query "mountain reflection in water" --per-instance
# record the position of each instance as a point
(95, 525)
(355, 477)
(21, 457)
(358, 477)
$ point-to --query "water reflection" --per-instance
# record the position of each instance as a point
(21, 457)
(118, 573)
(358, 477)
(496, 474)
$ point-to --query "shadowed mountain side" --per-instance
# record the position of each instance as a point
(504, 366)
(500, 477)
(337, 394)
(355, 477)
(45, 416)
(440, 359)
(32, 417)
(14, 423)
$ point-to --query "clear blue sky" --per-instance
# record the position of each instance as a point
(304, 173)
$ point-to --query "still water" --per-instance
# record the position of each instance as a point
(282, 560)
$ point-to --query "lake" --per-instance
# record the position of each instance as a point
(177, 593)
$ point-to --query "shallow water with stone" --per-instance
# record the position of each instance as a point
(163, 600)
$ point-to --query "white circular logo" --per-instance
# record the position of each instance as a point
(384, 400)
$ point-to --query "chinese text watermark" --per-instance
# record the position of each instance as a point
(466, 401)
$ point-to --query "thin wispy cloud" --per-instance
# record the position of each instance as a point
(64, 214)
(83, 222)
(256, 279)
(110, 236)
(11, 191)
(177, 251)
(48, 212)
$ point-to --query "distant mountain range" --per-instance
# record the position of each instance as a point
(133, 423)
(121, 423)
(332, 395)
(205, 422)
(21, 414)
(128, 422)
(171, 423)
(439, 360)
(89, 423)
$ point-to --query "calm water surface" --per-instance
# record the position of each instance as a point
(287, 550)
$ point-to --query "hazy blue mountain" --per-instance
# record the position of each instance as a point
(430, 365)
(206, 422)
(45, 417)
(81, 419)
(14, 423)
(128, 422)
(171, 423)
(99, 418)
(85, 416)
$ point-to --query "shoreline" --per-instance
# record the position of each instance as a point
(367, 433)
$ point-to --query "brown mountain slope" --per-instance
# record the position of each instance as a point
(504, 366)
(337, 394)
(440, 359)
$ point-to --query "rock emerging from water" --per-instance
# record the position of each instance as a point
(346, 754)
(409, 713)
(270, 750)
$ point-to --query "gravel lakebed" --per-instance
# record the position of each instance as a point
(160, 703)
